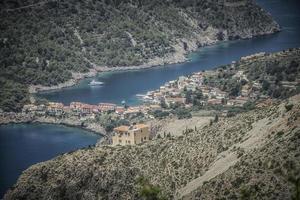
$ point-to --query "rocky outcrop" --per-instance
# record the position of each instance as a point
(269, 136)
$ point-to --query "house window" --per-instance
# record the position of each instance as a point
(120, 141)
(145, 138)
(128, 142)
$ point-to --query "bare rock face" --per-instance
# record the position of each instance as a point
(260, 150)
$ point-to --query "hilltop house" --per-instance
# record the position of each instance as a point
(131, 135)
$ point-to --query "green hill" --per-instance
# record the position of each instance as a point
(44, 42)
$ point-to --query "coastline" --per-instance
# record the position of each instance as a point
(182, 48)
(20, 118)
(179, 56)
(175, 58)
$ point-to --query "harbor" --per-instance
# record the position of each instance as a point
(140, 89)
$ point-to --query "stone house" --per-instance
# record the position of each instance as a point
(131, 135)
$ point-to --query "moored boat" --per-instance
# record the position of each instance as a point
(93, 83)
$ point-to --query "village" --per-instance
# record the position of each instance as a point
(122, 135)
(171, 93)
(221, 90)
(179, 91)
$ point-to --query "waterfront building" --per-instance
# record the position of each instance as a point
(131, 135)
(119, 110)
(29, 108)
(56, 109)
(106, 107)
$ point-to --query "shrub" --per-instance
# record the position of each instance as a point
(288, 107)
(183, 113)
(216, 118)
(148, 191)
(280, 133)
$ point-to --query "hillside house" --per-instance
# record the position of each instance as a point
(214, 102)
(239, 101)
(246, 89)
(131, 135)
(170, 100)
(132, 111)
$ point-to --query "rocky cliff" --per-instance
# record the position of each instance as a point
(254, 155)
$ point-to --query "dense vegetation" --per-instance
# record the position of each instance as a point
(12, 95)
(279, 77)
(278, 74)
(43, 42)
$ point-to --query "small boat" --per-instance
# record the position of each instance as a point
(147, 98)
(93, 83)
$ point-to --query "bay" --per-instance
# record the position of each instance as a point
(22, 145)
(119, 86)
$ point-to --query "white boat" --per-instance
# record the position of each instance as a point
(146, 98)
(93, 83)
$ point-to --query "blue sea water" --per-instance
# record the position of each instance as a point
(22, 145)
(25, 144)
(120, 86)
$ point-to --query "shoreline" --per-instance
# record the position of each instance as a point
(179, 56)
(77, 77)
(19, 118)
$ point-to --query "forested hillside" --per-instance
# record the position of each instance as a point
(43, 42)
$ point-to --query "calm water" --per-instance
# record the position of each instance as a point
(125, 85)
(22, 145)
